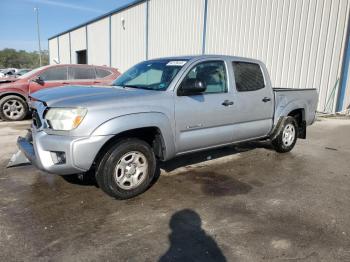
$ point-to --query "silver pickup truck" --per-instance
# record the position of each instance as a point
(157, 110)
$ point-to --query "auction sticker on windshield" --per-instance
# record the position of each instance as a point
(176, 63)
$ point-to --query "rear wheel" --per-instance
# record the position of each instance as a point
(13, 108)
(286, 139)
(127, 169)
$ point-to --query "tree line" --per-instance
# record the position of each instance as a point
(22, 59)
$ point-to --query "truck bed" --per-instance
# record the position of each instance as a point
(305, 98)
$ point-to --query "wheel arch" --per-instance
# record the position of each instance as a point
(285, 109)
(2, 95)
(298, 110)
(154, 128)
(299, 116)
(152, 135)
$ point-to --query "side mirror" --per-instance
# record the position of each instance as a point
(192, 87)
(38, 80)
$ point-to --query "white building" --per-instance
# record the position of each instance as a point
(304, 43)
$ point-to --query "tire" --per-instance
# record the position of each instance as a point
(287, 137)
(127, 169)
(13, 108)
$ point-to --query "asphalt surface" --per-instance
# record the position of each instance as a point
(247, 203)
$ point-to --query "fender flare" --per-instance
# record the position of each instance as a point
(278, 128)
(133, 121)
(283, 111)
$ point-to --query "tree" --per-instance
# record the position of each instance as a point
(22, 59)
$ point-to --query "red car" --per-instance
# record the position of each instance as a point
(14, 92)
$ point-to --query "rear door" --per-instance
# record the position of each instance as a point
(82, 75)
(51, 77)
(255, 101)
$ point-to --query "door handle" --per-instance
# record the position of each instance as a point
(227, 103)
(65, 83)
(266, 99)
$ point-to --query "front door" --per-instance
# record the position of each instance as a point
(205, 120)
(51, 77)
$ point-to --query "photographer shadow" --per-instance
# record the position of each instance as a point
(189, 241)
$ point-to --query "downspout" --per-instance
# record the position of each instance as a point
(344, 71)
(70, 49)
(204, 25)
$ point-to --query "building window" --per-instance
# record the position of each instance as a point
(81, 57)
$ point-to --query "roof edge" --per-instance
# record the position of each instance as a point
(119, 9)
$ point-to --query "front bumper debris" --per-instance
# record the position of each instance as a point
(19, 158)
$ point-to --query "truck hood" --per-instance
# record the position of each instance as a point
(84, 96)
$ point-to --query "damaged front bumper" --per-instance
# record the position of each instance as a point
(57, 154)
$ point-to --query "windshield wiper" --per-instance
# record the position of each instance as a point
(138, 87)
(131, 86)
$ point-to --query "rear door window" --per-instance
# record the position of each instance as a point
(80, 73)
(54, 74)
(101, 73)
(248, 76)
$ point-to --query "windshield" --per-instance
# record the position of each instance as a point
(151, 75)
(30, 73)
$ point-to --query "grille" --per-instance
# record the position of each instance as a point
(36, 119)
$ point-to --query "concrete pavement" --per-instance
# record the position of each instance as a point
(247, 203)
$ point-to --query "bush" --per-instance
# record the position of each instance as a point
(22, 59)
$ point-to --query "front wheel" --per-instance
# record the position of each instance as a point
(127, 169)
(286, 139)
(13, 108)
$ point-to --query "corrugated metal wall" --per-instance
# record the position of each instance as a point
(302, 42)
(63, 42)
(175, 27)
(78, 42)
(98, 42)
(53, 49)
(127, 37)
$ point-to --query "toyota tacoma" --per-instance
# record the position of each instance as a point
(157, 110)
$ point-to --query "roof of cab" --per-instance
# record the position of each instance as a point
(198, 57)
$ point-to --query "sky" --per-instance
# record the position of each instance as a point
(18, 19)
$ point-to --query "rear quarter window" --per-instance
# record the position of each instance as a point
(248, 76)
(101, 73)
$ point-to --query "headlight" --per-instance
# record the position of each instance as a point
(65, 118)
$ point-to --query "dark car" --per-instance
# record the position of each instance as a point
(14, 92)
